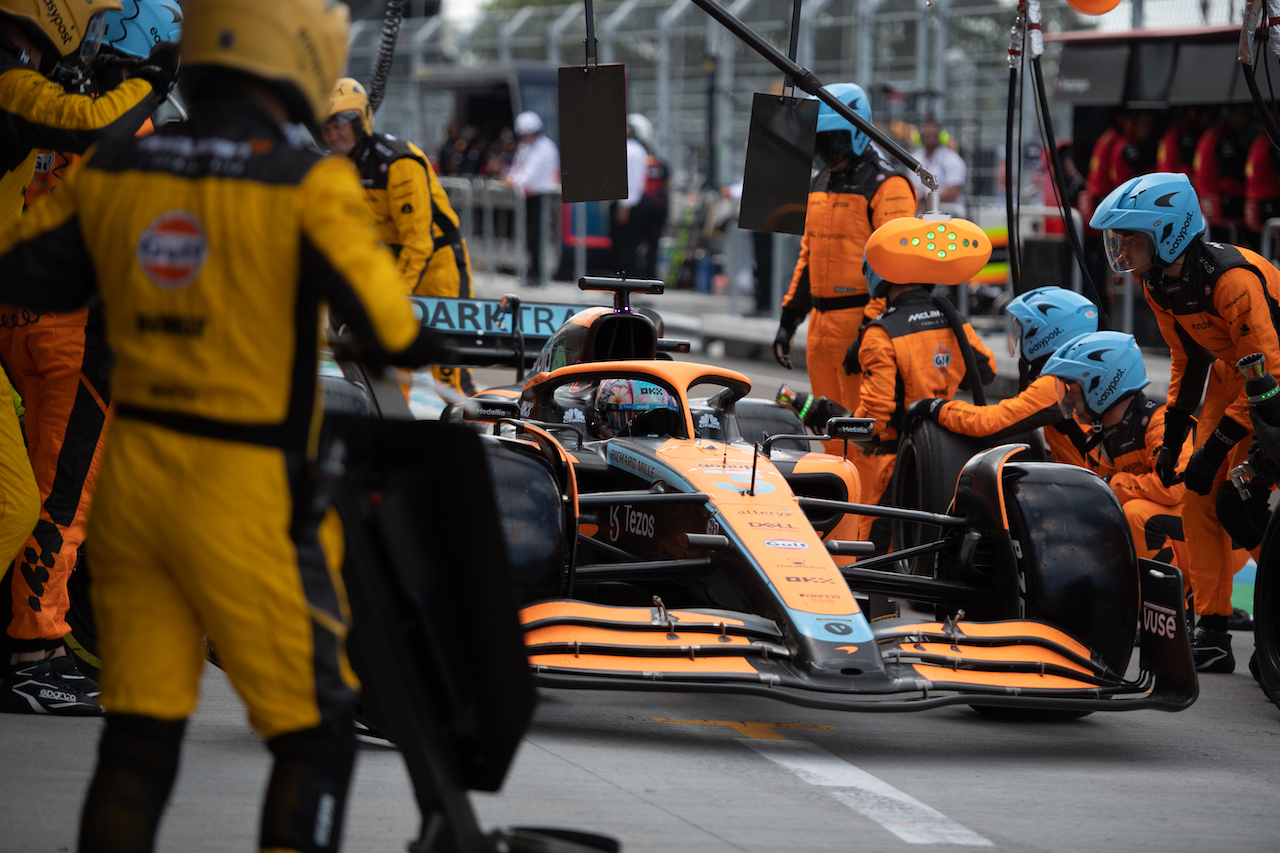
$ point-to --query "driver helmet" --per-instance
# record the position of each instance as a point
(837, 137)
(1106, 365)
(1162, 207)
(620, 401)
(1046, 318)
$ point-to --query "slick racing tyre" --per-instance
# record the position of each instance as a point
(759, 418)
(531, 514)
(1075, 566)
(924, 477)
(1266, 612)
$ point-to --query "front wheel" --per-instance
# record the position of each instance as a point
(1266, 612)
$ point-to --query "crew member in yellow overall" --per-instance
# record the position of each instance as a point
(35, 113)
(214, 245)
(410, 209)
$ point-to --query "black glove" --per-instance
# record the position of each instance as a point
(782, 345)
(1177, 424)
(1202, 468)
(927, 409)
(160, 70)
(851, 364)
(1268, 437)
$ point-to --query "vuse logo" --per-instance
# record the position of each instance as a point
(173, 249)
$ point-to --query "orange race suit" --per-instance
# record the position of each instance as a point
(1126, 458)
(1034, 407)
(908, 353)
(1223, 308)
(36, 113)
(845, 207)
(413, 217)
(214, 245)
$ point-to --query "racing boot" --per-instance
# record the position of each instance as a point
(39, 687)
(1211, 650)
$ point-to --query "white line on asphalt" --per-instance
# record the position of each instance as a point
(898, 812)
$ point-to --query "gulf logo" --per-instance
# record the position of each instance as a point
(786, 544)
(173, 249)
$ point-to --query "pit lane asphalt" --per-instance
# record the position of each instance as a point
(1206, 779)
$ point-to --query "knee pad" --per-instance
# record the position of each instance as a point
(137, 764)
(307, 796)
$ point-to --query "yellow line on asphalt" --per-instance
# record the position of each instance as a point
(756, 731)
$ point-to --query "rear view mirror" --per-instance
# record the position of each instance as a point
(850, 429)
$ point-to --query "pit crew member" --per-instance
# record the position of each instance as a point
(1215, 303)
(36, 113)
(1043, 320)
(411, 211)
(202, 524)
(908, 353)
(1099, 377)
(854, 194)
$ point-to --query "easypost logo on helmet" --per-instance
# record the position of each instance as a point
(54, 14)
(1112, 385)
(173, 249)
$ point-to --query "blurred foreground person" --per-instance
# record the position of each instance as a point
(47, 355)
(217, 242)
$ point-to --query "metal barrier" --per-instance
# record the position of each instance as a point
(1269, 231)
(494, 222)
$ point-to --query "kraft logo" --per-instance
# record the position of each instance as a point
(786, 544)
(840, 628)
(1161, 621)
(173, 249)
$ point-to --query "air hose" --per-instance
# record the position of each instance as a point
(386, 53)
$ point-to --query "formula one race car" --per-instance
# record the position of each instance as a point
(657, 549)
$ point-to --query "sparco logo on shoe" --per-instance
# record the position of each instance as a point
(786, 544)
(46, 693)
(55, 18)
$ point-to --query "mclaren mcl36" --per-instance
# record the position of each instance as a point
(687, 550)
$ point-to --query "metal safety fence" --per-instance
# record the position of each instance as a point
(494, 219)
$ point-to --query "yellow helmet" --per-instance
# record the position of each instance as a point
(61, 26)
(296, 46)
(349, 96)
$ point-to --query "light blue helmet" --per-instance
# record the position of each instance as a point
(877, 285)
(828, 120)
(1046, 318)
(141, 25)
(1161, 205)
(1106, 365)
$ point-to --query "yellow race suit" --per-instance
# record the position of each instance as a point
(35, 114)
(214, 245)
(412, 215)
